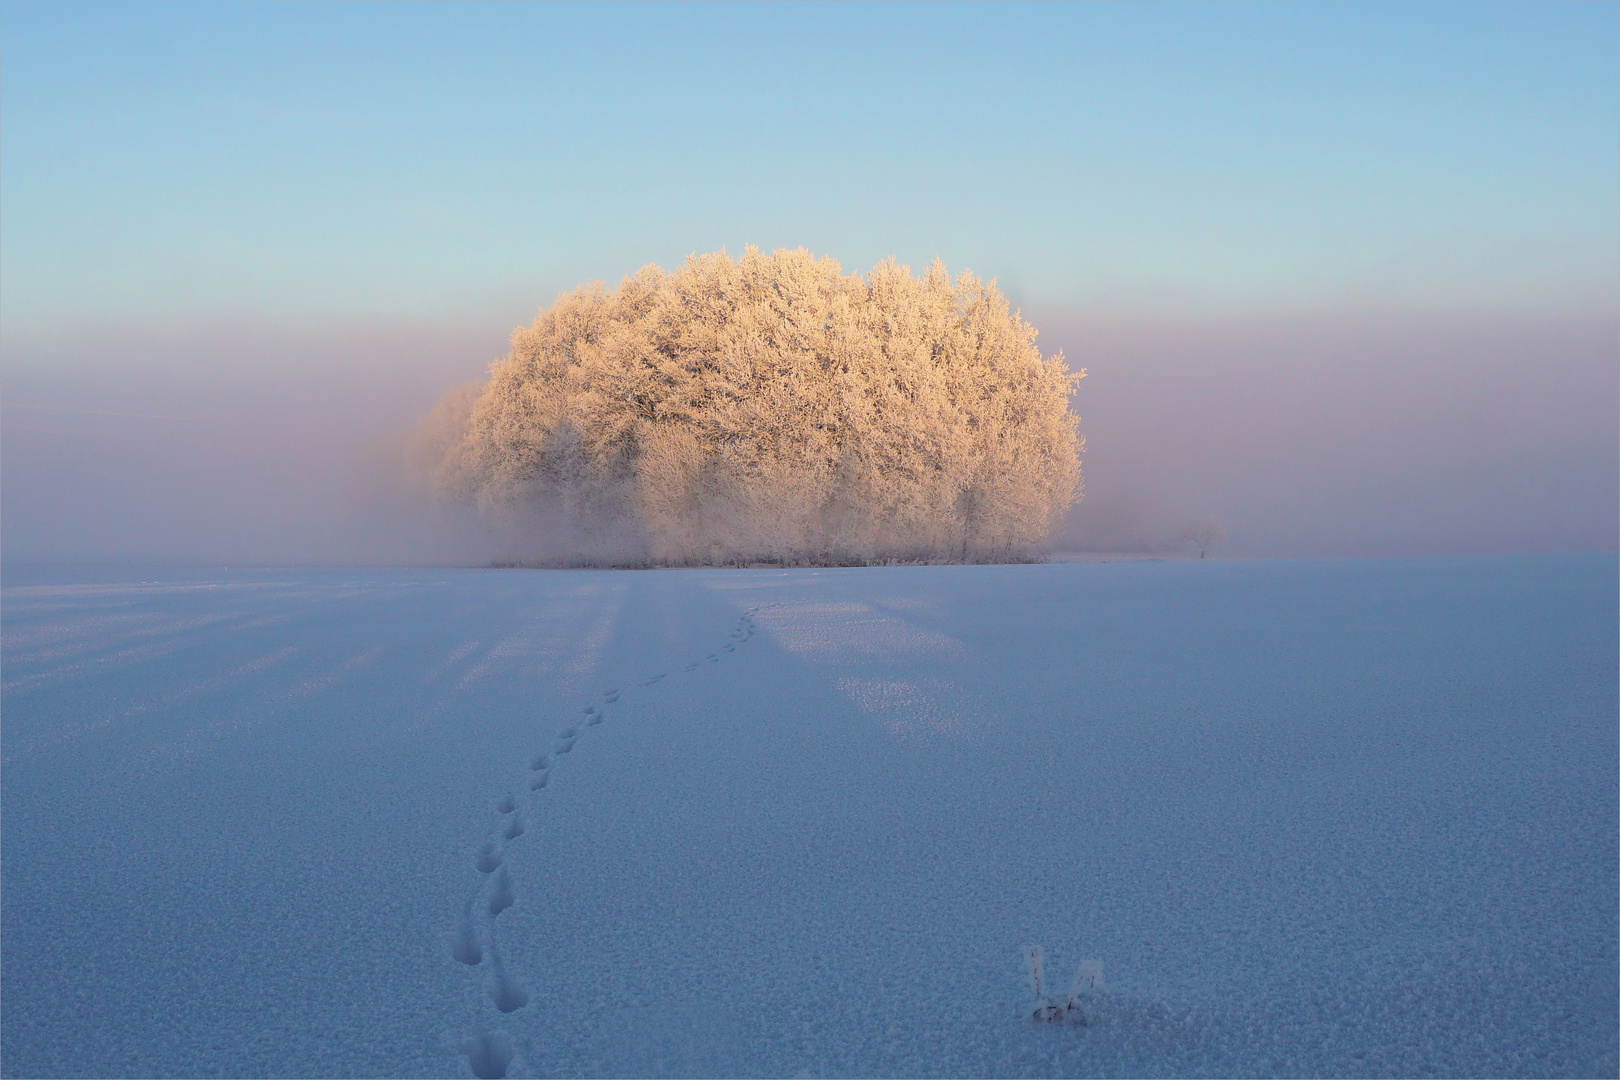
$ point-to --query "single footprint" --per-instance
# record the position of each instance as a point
(489, 1054)
(507, 804)
(539, 781)
(714, 657)
(515, 827)
(504, 991)
(464, 942)
(594, 719)
(568, 733)
(654, 679)
(539, 762)
(488, 858)
(693, 666)
(730, 647)
(565, 746)
(590, 710)
(611, 696)
(501, 896)
(507, 995)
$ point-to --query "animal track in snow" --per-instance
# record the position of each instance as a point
(507, 804)
(514, 828)
(501, 896)
(504, 991)
(489, 1055)
(565, 746)
(488, 858)
(539, 762)
(464, 942)
(655, 678)
(611, 696)
(540, 781)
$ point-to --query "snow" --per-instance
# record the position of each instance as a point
(1310, 818)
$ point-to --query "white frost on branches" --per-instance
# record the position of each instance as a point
(773, 409)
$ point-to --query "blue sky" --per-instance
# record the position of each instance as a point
(1343, 275)
(294, 161)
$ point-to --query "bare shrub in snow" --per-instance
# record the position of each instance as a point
(773, 409)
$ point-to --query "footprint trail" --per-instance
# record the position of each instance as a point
(490, 1054)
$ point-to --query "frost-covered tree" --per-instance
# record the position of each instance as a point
(771, 408)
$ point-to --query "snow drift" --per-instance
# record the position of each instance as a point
(771, 409)
(1352, 818)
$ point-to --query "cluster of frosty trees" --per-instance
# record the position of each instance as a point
(773, 409)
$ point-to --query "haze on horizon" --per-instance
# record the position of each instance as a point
(1344, 277)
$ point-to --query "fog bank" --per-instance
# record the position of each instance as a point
(234, 441)
(1341, 435)
(244, 441)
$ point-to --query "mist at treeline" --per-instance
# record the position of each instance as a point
(1331, 433)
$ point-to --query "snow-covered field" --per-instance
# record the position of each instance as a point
(1312, 818)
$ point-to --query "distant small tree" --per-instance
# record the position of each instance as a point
(1204, 532)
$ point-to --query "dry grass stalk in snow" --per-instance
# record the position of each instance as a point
(1087, 982)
